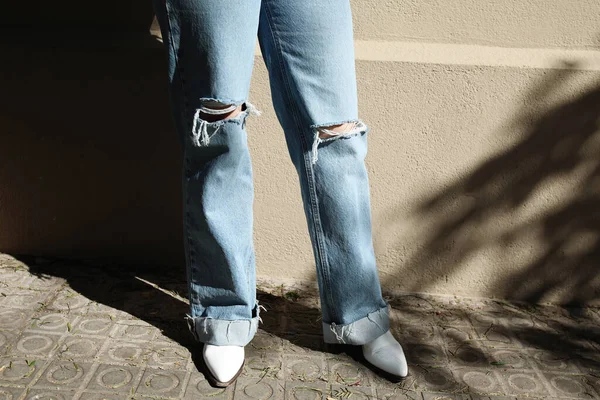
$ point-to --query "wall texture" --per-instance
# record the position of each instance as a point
(484, 150)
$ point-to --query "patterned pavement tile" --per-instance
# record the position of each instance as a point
(99, 326)
(425, 354)
(64, 374)
(522, 383)
(11, 393)
(162, 383)
(431, 379)
(264, 365)
(8, 340)
(134, 330)
(121, 352)
(445, 396)
(56, 342)
(36, 344)
(571, 386)
(79, 347)
(306, 390)
(425, 334)
(50, 394)
(496, 336)
(247, 388)
(25, 299)
(482, 381)
(305, 368)
(114, 378)
(19, 371)
(199, 388)
(103, 396)
(348, 372)
(398, 394)
(354, 392)
(14, 320)
(511, 359)
(167, 356)
(553, 361)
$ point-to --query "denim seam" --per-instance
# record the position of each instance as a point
(178, 66)
(308, 170)
(188, 255)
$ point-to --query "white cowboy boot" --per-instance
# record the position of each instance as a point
(386, 354)
(225, 363)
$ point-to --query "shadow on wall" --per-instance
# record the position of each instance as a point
(75, 17)
(90, 162)
(537, 205)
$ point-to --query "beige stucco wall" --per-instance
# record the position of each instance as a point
(483, 152)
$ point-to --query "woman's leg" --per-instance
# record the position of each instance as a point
(210, 46)
(308, 49)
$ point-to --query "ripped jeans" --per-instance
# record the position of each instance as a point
(307, 47)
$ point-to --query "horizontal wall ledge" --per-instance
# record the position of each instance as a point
(476, 55)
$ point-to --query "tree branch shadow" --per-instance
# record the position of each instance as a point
(536, 205)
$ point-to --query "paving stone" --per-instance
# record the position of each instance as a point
(398, 394)
(19, 371)
(104, 396)
(264, 365)
(23, 298)
(162, 383)
(11, 393)
(346, 371)
(167, 356)
(120, 352)
(432, 379)
(496, 336)
(553, 361)
(64, 375)
(425, 334)
(264, 341)
(56, 342)
(426, 354)
(94, 326)
(305, 368)
(306, 390)
(199, 388)
(49, 394)
(445, 396)
(482, 381)
(52, 322)
(14, 320)
(114, 378)
(571, 386)
(522, 383)
(511, 359)
(36, 344)
(134, 330)
(354, 392)
(79, 347)
(247, 388)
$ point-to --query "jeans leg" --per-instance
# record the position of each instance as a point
(210, 47)
(308, 49)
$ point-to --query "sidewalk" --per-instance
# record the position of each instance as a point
(74, 331)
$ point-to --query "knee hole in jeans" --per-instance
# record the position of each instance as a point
(212, 111)
(327, 132)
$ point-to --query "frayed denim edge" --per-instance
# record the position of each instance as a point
(200, 135)
(361, 331)
(359, 129)
(220, 332)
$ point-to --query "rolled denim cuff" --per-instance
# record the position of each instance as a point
(361, 331)
(221, 332)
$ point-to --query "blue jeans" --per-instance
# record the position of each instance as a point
(308, 50)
